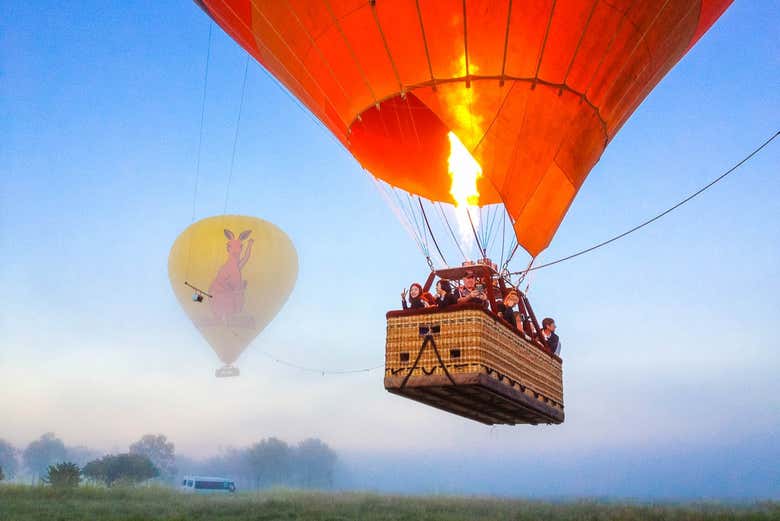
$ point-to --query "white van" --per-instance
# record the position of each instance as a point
(202, 484)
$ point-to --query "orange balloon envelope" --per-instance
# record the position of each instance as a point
(232, 275)
(535, 89)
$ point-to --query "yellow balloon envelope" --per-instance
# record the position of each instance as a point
(232, 275)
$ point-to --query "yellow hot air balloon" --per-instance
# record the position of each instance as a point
(232, 275)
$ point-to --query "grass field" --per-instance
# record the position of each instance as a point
(23, 503)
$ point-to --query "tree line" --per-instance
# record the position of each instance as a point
(269, 462)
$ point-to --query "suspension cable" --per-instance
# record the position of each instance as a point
(509, 258)
(525, 272)
(428, 224)
(476, 236)
(503, 232)
(400, 212)
(202, 119)
(420, 229)
(235, 135)
(200, 147)
(492, 235)
(452, 233)
(665, 212)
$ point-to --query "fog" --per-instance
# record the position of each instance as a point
(741, 472)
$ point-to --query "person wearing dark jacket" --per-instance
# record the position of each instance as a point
(444, 296)
(506, 309)
(549, 337)
(415, 297)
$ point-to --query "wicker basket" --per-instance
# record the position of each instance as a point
(488, 371)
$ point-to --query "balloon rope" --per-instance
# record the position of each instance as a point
(428, 224)
(492, 233)
(398, 210)
(649, 221)
(200, 146)
(452, 233)
(323, 372)
(482, 252)
(511, 254)
(417, 225)
(235, 136)
(202, 119)
(503, 228)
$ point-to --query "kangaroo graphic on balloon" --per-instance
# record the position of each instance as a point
(244, 284)
(227, 289)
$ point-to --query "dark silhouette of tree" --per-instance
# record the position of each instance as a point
(2, 476)
(63, 475)
(41, 453)
(126, 469)
(160, 452)
(8, 460)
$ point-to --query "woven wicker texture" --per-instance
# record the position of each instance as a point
(472, 341)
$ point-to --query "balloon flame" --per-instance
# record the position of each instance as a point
(464, 171)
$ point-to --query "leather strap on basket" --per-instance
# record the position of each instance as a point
(428, 339)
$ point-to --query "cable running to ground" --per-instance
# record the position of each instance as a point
(202, 118)
(323, 372)
(235, 136)
(665, 212)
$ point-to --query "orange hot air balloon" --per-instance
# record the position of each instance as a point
(535, 89)
(232, 275)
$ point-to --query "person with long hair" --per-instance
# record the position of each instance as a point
(444, 296)
(416, 300)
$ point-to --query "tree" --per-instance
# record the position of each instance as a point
(8, 459)
(63, 475)
(127, 469)
(314, 463)
(41, 453)
(160, 452)
(270, 462)
(95, 470)
(2, 476)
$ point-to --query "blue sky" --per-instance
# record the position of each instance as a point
(669, 335)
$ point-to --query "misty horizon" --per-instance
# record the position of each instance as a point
(670, 346)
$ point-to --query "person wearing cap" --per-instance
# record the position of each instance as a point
(548, 336)
(506, 309)
(468, 292)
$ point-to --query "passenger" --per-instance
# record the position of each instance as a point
(415, 297)
(429, 299)
(549, 337)
(444, 296)
(506, 309)
(469, 292)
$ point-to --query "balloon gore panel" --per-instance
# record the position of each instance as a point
(534, 89)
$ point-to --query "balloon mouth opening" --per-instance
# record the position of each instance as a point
(404, 143)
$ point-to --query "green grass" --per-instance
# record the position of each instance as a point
(23, 503)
